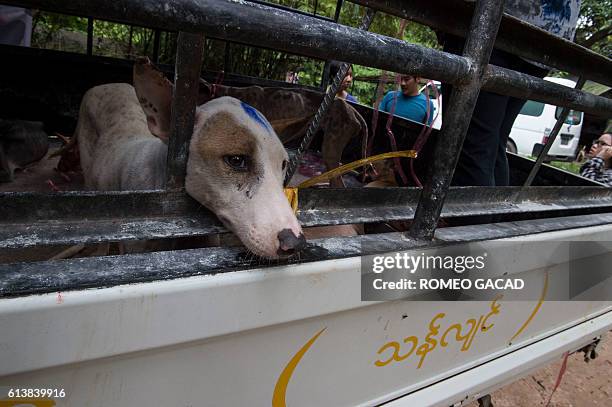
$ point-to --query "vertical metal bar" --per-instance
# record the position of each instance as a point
(184, 99)
(227, 62)
(325, 75)
(130, 38)
(479, 44)
(551, 138)
(166, 41)
(156, 41)
(90, 23)
(316, 4)
(338, 8)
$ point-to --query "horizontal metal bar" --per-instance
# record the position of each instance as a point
(75, 218)
(17, 207)
(514, 36)
(508, 82)
(64, 275)
(261, 25)
(269, 27)
(72, 232)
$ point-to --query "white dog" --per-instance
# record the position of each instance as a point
(235, 168)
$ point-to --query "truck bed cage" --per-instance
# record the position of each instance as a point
(32, 219)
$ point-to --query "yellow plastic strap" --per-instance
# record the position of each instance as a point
(292, 193)
(336, 172)
(292, 197)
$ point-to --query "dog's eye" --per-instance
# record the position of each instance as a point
(237, 162)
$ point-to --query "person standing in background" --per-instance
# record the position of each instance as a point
(410, 103)
(483, 160)
(342, 93)
(599, 167)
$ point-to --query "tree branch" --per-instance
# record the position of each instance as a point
(596, 37)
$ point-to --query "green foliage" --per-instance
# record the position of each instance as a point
(260, 63)
(69, 33)
(595, 26)
(58, 31)
(118, 40)
(572, 167)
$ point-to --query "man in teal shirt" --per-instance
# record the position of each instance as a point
(410, 103)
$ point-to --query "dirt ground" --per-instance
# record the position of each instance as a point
(583, 385)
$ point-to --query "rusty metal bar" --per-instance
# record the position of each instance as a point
(551, 138)
(190, 48)
(478, 47)
(73, 274)
(255, 24)
(508, 82)
(227, 62)
(514, 36)
(93, 217)
(338, 9)
(288, 31)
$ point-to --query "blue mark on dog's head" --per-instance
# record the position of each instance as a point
(255, 115)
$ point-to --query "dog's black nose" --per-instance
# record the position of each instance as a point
(290, 243)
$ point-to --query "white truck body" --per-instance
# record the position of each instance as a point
(296, 335)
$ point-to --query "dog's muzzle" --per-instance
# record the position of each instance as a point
(290, 243)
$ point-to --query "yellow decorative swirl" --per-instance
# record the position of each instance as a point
(535, 310)
(280, 390)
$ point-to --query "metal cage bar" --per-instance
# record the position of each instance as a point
(156, 43)
(478, 48)
(90, 27)
(74, 274)
(119, 216)
(514, 36)
(269, 27)
(190, 49)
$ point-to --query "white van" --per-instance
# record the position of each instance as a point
(437, 102)
(535, 122)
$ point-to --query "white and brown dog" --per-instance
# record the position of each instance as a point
(235, 168)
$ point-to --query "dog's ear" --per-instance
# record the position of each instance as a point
(154, 93)
(205, 92)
